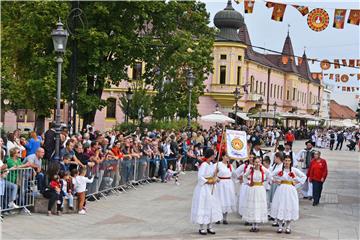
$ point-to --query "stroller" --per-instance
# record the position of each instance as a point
(351, 145)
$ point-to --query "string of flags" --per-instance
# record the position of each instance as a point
(339, 77)
(326, 64)
(317, 19)
(348, 89)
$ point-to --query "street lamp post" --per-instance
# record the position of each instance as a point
(275, 106)
(59, 37)
(237, 97)
(190, 83)
(129, 95)
(261, 101)
(6, 102)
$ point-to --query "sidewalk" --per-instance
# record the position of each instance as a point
(162, 211)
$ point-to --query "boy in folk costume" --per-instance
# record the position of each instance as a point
(206, 208)
(239, 173)
(256, 205)
(225, 188)
(285, 205)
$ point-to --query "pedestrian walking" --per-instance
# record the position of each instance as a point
(317, 174)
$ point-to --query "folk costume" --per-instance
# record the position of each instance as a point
(225, 189)
(285, 204)
(206, 208)
(256, 205)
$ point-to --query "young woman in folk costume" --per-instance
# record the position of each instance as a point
(225, 188)
(277, 165)
(206, 208)
(239, 173)
(285, 204)
(256, 205)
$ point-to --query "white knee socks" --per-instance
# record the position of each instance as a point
(287, 224)
(209, 226)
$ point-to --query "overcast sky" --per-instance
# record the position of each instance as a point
(328, 44)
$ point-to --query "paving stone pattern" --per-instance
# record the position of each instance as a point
(162, 211)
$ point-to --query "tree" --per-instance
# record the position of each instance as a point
(27, 64)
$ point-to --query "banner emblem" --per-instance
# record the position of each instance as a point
(237, 147)
(318, 19)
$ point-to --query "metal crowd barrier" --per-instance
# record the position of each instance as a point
(118, 176)
(17, 189)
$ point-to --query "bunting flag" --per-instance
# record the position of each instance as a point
(337, 77)
(318, 76)
(278, 12)
(344, 63)
(302, 9)
(331, 77)
(339, 18)
(352, 63)
(344, 78)
(318, 20)
(249, 6)
(284, 60)
(354, 17)
(358, 62)
(358, 76)
(336, 63)
(269, 4)
(325, 64)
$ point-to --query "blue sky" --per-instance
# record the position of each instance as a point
(328, 44)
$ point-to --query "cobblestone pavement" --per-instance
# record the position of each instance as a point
(162, 211)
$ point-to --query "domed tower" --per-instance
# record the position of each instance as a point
(228, 53)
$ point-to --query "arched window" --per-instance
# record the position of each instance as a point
(111, 108)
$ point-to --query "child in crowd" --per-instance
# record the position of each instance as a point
(80, 182)
(179, 165)
(66, 187)
(163, 165)
(172, 174)
(53, 193)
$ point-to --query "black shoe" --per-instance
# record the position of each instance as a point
(247, 224)
(202, 232)
(257, 229)
(225, 222)
(218, 222)
(275, 224)
(252, 229)
(310, 198)
(91, 199)
(315, 204)
(211, 231)
(287, 230)
(305, 198)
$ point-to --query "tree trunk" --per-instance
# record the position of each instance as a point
(40, 124)
(95, 89)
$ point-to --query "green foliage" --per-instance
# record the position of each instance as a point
(176, 125)
(28, 67)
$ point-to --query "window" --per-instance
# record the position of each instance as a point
(281, 92)
(223, 57)
(305, 98)
(252, 84)
(274, 90)
(137, 71)
(111, 108)
(271, 87)
(239, 58)
(287, 95)
(238, 76)
(222, 74)
(256, 86)
(278, 92)
(30, 116)
(294, 94)
(261, 88)
(264, 89)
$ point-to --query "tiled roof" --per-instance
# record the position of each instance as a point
(338, 111)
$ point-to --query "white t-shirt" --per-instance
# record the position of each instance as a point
(80, 183)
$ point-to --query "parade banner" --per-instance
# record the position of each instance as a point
(354, 17)
(302, 9)
(236, 144)
(249, 6)
(278, 12)
(336, 63)
(325, 64)
(339, 18)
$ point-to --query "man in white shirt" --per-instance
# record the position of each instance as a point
(35, 161)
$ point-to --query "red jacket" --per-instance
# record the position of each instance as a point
(289, 137)
(317, 170)
(54, 184)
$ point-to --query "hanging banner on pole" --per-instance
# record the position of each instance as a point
(236, 144)
(339, 18)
